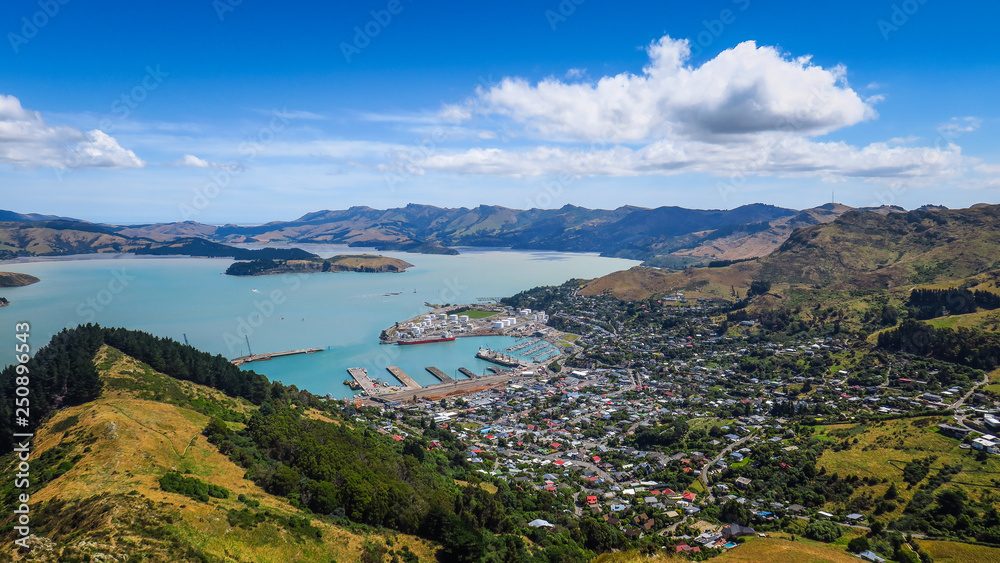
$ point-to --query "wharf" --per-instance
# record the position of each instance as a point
(468, 373)
(442, 376)
(261, 357)
(403, 377)
(361, 376)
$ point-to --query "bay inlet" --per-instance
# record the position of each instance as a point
(340, 313)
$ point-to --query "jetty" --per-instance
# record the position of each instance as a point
(468, 373)
(442, 376)
(261, 357)
(366, 383)
(403, 377)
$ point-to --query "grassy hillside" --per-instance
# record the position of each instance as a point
(878, 454)
(859, 252)
(102, 496)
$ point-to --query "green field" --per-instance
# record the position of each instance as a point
(477, 313)
(881, 450)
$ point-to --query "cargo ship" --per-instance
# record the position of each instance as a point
(430, 340)
(497, 358)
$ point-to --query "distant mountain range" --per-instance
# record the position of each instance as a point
(668, 236)
(873, 249)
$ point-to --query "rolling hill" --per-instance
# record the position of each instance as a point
(101, 492)
(859, 250)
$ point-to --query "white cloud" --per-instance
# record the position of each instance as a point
(299, 115)
(193, 161)
(744, 90)
(25, 139)
(959, 125)
(771, 155)
(749, 111)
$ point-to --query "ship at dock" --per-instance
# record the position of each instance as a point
(497, 358)
(446, 337)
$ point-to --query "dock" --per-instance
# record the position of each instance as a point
(442, 376)
(468, 373)
(402, 376)
(261, 357)
(361, 376)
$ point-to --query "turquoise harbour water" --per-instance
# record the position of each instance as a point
(339, 312)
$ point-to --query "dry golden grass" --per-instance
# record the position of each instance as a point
(776, 549)
(126, 444)
(955, 552)
(642, 283)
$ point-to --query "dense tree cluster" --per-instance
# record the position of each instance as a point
(61, 374)
(931, 303)
(964, 346)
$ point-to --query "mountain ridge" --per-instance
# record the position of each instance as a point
(626, 231)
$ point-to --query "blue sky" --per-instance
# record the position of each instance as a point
(250, 110)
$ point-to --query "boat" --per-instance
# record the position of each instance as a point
(497, 358)
(431, 340)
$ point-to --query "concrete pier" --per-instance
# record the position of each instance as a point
(361, 376)
(403, 377)
(261, 357)
(442, 376)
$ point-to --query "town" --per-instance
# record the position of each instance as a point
(674, 424)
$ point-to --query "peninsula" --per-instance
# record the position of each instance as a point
(340, 263)
(14, 279)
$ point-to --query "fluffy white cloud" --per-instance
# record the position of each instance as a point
(745, 90)
(749, 111)
(26, 139)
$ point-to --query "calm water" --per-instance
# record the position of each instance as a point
(341, 312)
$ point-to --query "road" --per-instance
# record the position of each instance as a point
(722, 454)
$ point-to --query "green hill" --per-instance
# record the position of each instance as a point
(100, 471)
